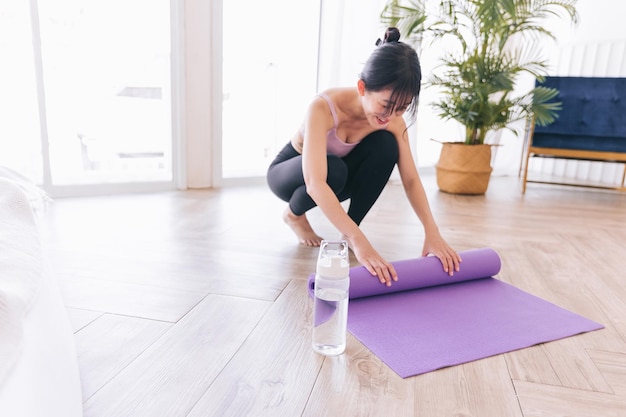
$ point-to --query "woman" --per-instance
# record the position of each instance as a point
(347, 147)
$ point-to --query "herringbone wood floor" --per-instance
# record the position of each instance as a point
(194, 304)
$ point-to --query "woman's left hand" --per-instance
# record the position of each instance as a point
(437, 246)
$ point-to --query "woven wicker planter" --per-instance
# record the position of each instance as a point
(464, 169)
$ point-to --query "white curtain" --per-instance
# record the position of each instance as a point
(348, 34)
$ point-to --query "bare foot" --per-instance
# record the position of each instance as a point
(302, 228)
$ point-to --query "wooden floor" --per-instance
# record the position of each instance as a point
(195, 304)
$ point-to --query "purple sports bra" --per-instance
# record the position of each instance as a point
(334, 145)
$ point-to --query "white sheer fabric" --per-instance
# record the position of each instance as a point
(39, 373)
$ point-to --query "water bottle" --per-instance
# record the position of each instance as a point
(330, 309)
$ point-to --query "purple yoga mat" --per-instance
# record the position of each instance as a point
(429, 320)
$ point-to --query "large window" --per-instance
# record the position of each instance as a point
(269, 76)
(88, 91)
(20, 147)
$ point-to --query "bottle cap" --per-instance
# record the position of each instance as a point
(333, 260)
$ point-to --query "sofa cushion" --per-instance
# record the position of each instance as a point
(591, 108)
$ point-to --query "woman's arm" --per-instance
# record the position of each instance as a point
(314, 166)
(434, 243)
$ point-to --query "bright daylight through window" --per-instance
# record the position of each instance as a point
(88, 90)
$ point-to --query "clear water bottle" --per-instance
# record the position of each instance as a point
(330, 309)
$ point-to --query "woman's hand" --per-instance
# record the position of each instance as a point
(372, 261)
(435, 245)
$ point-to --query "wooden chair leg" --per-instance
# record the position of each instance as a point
(525, 177)
(528, 133)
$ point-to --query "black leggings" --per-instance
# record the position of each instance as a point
(359, 176)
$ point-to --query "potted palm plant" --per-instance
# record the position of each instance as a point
(492, 43)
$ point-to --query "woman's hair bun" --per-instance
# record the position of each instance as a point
(391, 35)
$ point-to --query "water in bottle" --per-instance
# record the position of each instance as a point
(330, 309)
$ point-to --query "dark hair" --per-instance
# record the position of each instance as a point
(394, 65)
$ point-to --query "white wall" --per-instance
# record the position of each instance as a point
(201, 88)
(599, 20)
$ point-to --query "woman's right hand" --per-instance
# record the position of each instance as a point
(372, 261)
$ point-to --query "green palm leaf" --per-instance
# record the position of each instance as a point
(497, 41)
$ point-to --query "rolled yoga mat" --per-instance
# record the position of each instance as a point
(428, 320)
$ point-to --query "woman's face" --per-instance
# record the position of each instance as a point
(377, 107)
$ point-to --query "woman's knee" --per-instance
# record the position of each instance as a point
(383, 144)
(284, 177)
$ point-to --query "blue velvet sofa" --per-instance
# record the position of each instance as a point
(590, 126)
